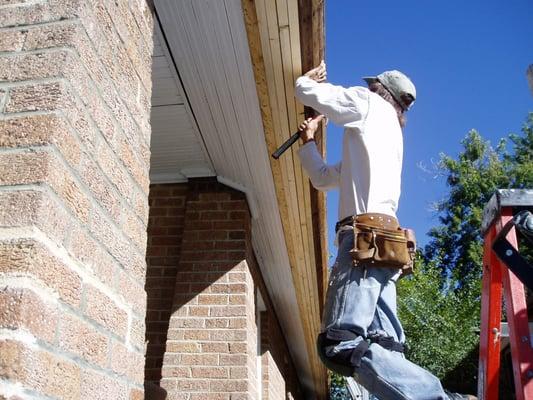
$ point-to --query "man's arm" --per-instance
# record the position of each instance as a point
(339, 104)
(323, 177)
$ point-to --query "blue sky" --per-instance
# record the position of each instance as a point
(468, 60)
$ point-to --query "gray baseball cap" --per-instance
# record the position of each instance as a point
(398, 84)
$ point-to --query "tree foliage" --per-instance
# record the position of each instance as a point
(440, 304)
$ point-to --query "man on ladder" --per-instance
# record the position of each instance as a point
(361, 333)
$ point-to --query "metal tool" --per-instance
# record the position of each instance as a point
(288, 143)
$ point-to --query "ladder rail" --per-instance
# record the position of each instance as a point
(497, 278)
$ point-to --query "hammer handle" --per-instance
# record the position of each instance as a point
(288, 143)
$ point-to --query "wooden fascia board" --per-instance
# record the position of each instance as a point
(311, 13)
(294, 193)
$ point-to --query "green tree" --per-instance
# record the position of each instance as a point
(440, 304)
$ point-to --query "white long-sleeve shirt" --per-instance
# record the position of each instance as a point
(369, 175)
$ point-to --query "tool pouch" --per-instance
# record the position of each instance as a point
(386, 246)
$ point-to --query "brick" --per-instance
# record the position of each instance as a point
(39, 370)
(127, 363)
(34, 208)
(227, 311)
(214, 347)
(209, 299)
(210, 396)
(199, 359)
(113, 168)
(183, 347)
(37, 167)
(58, 370)
(233, 359)
(137, 331)
(81, 339)
(176, 372)
(29, 257)
(228, 335)
(133, 293)
(21, 67)
(39, 97)
(237, 323)
(11, 40)
(228, 385)
(187, 323)
(136, 394)
(210, 372)
(101, 188)
(84, 248)
(237, 277)
(40, 130)
(97, 386)
(196, 334)
(41, 12)
(11, 360)
(235, 348)
(237, 299)
(198, 311)
(109, 236)
(105, 312)
(217, 323)
(24, 309)
(192, 385)
(239, 372)
(135, 229)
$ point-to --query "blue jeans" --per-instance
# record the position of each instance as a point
(362, 299)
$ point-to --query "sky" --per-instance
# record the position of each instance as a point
(468, 60)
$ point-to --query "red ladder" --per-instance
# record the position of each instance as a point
(498, 277)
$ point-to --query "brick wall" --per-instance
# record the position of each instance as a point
(199, 254)
(75, 86)
(212, 327)
(165, 228)
(279, 374)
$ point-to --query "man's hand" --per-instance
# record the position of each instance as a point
(308, 128)
(318, 74)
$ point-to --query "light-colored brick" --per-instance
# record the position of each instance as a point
(210, 372)
(86, 250)
(199, 359)
(11, 40)
(192, 385)
(103, 310)
(28, 257)
(97, 386)
(40, 130)
(127, 363)
(228, 385)
(210, 396)
(21, 67)
(215, 347)
(183, 347)
(117, 245)
(55, 10)
(35, 167)
(81, 339)
(34, 208)
(24, 309)
(72, 84)
(134, 294)
(39, 370)
(137, 331)
(39, 97)
(177, 372)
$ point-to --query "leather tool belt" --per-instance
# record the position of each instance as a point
(379, 239)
